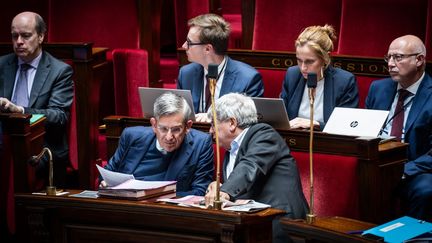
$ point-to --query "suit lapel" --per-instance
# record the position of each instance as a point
(198, 76)
(328, 102)
(294, 103)
(39, 79)
(9, 78)
(419, 103)
(229, 79)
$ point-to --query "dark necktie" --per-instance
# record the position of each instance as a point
(398, 120)
(21, 96)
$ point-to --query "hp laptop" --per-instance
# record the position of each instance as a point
(272, 111)
(149, 95)
(356, 122)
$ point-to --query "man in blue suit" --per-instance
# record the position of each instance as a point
(207, 43)
(406, 65)
(170, 150)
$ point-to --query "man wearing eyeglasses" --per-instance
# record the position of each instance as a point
(408, 97)
(169, 150)
(207, 43)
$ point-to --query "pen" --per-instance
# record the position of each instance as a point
(354, 232)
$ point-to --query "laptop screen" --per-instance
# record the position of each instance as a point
(149, 95)
(356, 122)
(272, 111)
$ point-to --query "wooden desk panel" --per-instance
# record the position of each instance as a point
(67, 219)
(331, 230)
(25, 140)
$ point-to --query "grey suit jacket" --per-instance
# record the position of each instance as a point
(265, 171)
(51, 95)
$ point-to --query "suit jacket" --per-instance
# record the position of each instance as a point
(265, 171)
(418, 126)
(238, 78)
(191, 164)
(340, 90)
(51, 95)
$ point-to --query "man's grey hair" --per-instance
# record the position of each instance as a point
(237, 106)
(171, 104)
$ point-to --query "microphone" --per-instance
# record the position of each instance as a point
(212, 76)
(311, 84)
(35, 160)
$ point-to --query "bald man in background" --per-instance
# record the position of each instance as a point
(406, 58)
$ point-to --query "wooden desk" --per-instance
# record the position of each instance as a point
(331, 229)
(379, 166)
(24, 140)
(67, 219)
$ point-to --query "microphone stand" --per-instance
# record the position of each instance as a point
(217, 204)
(34, 160)
(311, 82)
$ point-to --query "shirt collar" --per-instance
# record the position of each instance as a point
(220, 67)
(413, 87)
(159, 147)
(33, 63)
(235, 144)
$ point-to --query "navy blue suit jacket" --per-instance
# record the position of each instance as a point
(191, 165)
(340, 90)
(418, 127)
(238, 78)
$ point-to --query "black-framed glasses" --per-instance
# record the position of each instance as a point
(190, 43)
(398, 57)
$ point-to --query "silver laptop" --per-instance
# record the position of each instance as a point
(356, 122)
(149, 95)
(272, 111)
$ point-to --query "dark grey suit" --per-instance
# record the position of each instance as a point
(51, 95)
(265, 171)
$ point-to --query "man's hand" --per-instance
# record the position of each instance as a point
(7, 106)
(302, 123)
(202, 117)
(103, 184)
(211, 195)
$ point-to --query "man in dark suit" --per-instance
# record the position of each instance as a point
(168, 151)
(406, 65)
(258, 164)
(207, 43)
(47, 89)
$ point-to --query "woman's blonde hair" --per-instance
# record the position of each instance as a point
(319, 39)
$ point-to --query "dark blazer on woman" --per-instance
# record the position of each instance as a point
(340, 90)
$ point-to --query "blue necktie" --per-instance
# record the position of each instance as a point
(21, 96)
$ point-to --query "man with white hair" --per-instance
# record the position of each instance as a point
(258, 164)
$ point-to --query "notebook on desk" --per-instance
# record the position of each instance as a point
(149, 95)
(356, 122)
(272, 111)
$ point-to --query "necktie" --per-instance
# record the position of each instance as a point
(398, 119)
(21, 96)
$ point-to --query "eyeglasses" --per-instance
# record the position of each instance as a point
(398, 57)
(190, 43)
(174, 130)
